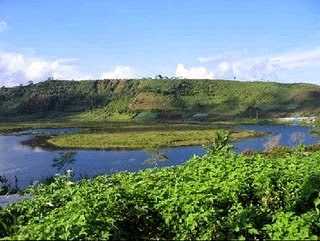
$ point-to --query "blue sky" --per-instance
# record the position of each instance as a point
(80, 39)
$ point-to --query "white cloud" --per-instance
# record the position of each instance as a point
(17, 69)
(307, 58)
(223, 66)
(255, 68)
(271, 66)
(3, 26)
(193, 72)
(119, 72)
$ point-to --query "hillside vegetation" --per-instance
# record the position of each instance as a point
(142, 100)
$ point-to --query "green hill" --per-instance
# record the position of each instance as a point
(159, 99)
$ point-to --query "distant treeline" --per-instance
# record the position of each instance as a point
(166, 98)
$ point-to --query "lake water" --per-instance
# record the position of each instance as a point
(34, 163)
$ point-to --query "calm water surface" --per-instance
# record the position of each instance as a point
(33, 163)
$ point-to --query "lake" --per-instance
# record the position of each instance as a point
(30, 163)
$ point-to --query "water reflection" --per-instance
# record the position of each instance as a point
(155, 157)
(65, 159)
(297, 138)
(286, 133)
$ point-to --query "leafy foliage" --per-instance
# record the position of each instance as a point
(222, 195)
(219, 143)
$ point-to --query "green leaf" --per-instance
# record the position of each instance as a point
(316, 201)
(253, 231)
(241, 237)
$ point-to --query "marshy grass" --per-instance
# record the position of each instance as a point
(129, 135)
(141, 139)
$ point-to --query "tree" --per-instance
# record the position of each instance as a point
(253, 111)
(159, 76)
(250, 110)
(258, 111)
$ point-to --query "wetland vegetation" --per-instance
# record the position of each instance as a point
(221, 195)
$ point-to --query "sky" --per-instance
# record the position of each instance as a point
(214, 39)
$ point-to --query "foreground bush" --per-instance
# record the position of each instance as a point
(222, 195)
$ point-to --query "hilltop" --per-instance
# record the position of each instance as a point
(158, 99)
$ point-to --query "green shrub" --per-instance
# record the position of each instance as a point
(146, 116)
(222, 195)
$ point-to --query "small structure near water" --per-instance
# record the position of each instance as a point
(309, 119)
(199, 115)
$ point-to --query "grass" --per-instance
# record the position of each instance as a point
(129, 135)
(151, 101)
(140, 140)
